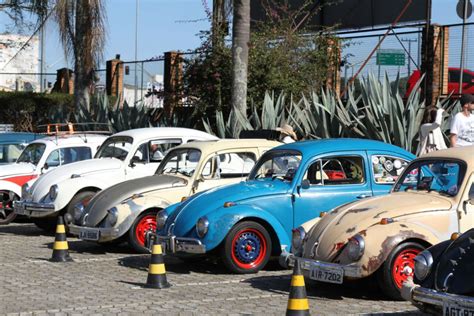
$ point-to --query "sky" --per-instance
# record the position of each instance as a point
(166, 25)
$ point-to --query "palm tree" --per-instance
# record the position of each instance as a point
(81, 25)
(240, 54)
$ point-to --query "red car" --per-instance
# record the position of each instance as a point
(453, 81)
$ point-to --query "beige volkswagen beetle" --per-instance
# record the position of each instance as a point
(381, 236)
(127, 211)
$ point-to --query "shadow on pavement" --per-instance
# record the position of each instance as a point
(23, 229)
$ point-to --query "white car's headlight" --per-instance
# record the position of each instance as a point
(355, 247)
(25, 190)
(423, 263)
(161, 218)
(53, 192)
(112, 217)
(202, 226)
(298, 236)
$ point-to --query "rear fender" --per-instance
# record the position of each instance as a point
(222, 220)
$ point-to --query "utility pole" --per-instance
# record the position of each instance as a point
(136, 51)
(42, 43)
(409, 40)
(466, 12)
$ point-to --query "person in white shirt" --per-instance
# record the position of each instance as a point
(431, 136)
(462, 126)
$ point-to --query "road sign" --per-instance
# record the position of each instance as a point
(391, 57)
(460, 9)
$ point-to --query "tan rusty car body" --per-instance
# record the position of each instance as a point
(134, 204)
(379, 227)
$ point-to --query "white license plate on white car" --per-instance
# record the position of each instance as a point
(326, 274)
(87, 234)
(453, 309)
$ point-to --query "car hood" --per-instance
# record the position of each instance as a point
(186, 216)
(16, 169)
(79, 168)
(453, 273)
(104, 200)
(344, 222)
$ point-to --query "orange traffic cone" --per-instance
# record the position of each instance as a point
(297, 300)
(60, 247)
(156, 271)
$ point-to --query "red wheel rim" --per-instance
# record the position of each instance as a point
(249, 248)
(147, 223)
(404, 265)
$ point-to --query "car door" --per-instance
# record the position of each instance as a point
(148, 156)
(466, 206)
(385, 168)
(226, 167)
(330, 181)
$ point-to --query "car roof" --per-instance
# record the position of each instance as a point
(150, 132)
(222, 144)
(465, 153)
(321, 146)
(72, 139)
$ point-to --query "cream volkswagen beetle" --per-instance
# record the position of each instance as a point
(381, 236)
(127, 211)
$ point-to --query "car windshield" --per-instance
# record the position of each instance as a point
(277, 165)
(442, 176)
(32, 153)
(115, 147)
(183, 161)
(10, 152)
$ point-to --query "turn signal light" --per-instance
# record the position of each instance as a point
(322, 214)
(184, 198)
(229, 204)
(454, 236)
(385, 221)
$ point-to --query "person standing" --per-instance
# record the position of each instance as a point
(431, 137)
(462, 126)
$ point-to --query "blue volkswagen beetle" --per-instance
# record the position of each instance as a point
(246, 223)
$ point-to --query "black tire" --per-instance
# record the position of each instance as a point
(389, 273)
(7, 215)
(146, 221)
(249, 236)
(46, 224)
(79, 197)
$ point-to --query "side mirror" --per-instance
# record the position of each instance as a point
(134, 161)
(305, 184)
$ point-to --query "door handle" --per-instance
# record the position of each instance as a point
(363, 196)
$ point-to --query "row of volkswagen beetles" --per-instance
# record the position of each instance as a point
(342, 209)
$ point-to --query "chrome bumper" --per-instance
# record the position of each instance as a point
(33, 209)
(350, 271)
(103, 234)
(417, 294)
(173, 244)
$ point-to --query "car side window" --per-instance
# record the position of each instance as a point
(64, 156)
(387, 169)
(229, 165)
(159, 148)
(141, 155)
(53, 159)
(336, 170)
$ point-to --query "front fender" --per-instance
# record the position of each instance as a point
(222, 220)
(10, 186)
(69, 188)
(380, 240)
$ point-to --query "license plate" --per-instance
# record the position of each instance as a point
(20, 210)
(89, 234)
(453, 309)
(326, 274)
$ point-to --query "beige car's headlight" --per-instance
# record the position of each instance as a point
(297, 239)
(355, 247)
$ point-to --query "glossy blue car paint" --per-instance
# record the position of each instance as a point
(278, 205)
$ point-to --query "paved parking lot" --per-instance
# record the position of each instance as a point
(108, 281)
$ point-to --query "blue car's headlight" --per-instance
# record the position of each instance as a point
(161, 218)
(202, 226)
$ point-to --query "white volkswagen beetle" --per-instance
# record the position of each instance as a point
(123, 156)
(41, 156)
